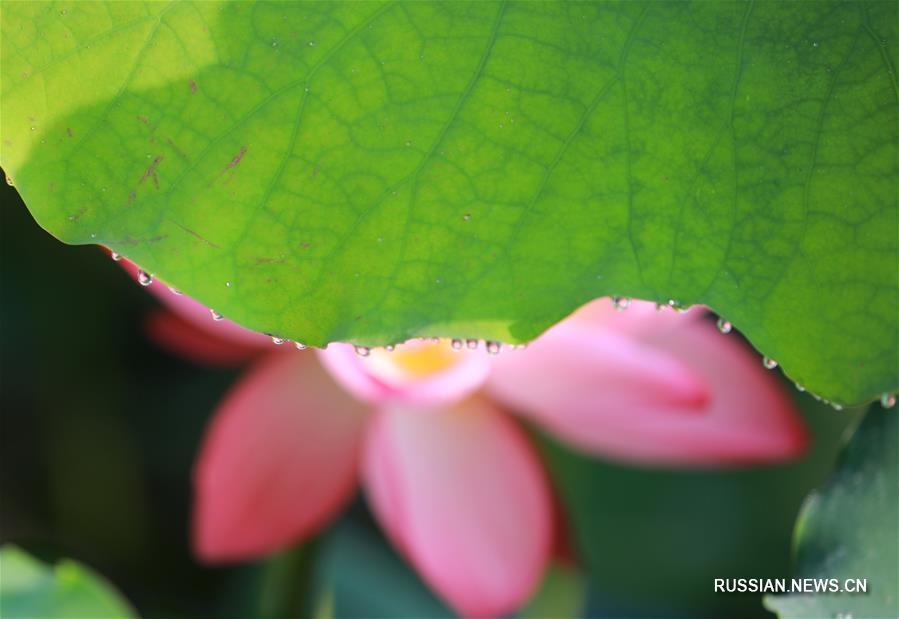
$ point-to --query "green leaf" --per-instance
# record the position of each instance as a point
(562, 595)
(653, 540)
(29, 589)
(368, 172)
(850, 529)
(357, 567)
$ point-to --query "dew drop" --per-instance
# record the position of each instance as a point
(278, 340)
(274, 44)
(311, 43)
(215, 314)
(457, 344)
(175, 291)
(724, 326)
(115, 256)
(9, 180)
(408, 142)
(837, 407)
(621, 303)
(888, 400)
(799, 387)
(493, 347)
(363, 351)
(144, 278)
(769, 363)
(390, 348)
(227, 284)
(471, 344)
(299, 345)
(466, 217)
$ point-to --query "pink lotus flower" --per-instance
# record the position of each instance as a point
(428, 431)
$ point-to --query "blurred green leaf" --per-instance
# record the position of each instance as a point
(562, 595)
(850, 529)
(31, 590)
(368, 172)
(361, 576)
(652, 540)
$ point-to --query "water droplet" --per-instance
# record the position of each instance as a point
(457, 344)
(408, 142)
(471, 344)
(493, 347)
(837, 407)
(724, 326)
(115, 256)
(363, 351)
(311, 43)
(769, 363)
(621, 303)
(466, 217)
(215, 314)
(390, 348)
(175, 291)
(274, 44)
(227, 284)
(299, 345)
(799, 387)
(888, 400)
(278, 340)
(9, 180)
(815, 44)
(144, 278)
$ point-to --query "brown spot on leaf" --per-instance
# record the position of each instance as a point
(196, 235)
(77, 215)
(151, 171)
(193, 86)
(267, 260)
(69, 131)
(236, 158)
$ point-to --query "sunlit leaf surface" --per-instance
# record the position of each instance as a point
(368, 172)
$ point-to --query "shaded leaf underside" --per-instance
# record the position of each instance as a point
(368, 172)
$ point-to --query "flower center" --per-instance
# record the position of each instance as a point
(412, 360)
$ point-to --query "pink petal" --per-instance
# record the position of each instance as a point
(185, 340)
(582, 376)
(673, 393)
(199, 315)
(460, 491)
(279, 460)
(361, 377)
